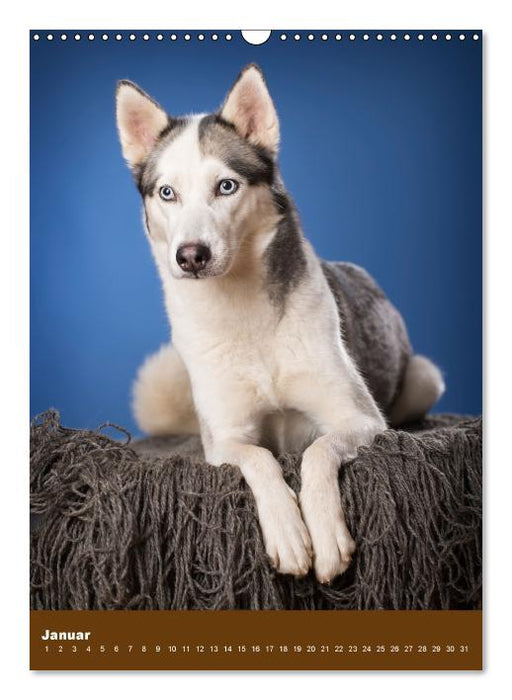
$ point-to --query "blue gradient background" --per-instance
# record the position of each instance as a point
(381, 149)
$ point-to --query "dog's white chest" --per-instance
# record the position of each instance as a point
(241, 345)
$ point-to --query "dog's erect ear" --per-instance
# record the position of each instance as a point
(140, 121)
(250, 108)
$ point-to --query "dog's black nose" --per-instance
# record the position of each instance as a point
(193, 257)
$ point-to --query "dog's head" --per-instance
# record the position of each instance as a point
(207, 181)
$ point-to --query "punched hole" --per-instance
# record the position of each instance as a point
(256, 37)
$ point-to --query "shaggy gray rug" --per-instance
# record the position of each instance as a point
(148, 525)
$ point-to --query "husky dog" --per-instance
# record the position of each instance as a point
(272, 349)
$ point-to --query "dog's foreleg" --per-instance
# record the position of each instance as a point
(286, 538)
(320, 500)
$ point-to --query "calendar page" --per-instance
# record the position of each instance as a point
(256, 349)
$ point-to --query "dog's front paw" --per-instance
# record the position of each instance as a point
(332, 543)
(333, 549)
(286, 537)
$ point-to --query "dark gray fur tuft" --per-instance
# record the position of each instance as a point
(285, 258)
(373, 330)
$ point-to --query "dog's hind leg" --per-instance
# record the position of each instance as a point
(162, 395)
(422, 386)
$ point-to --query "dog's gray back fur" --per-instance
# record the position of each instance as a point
(373, 330)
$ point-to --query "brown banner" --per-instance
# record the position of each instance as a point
(266, 640)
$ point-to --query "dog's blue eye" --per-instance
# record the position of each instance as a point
(167, 193)
(227, 187)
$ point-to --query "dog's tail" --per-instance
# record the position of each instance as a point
(162, 396)
(422, 386)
